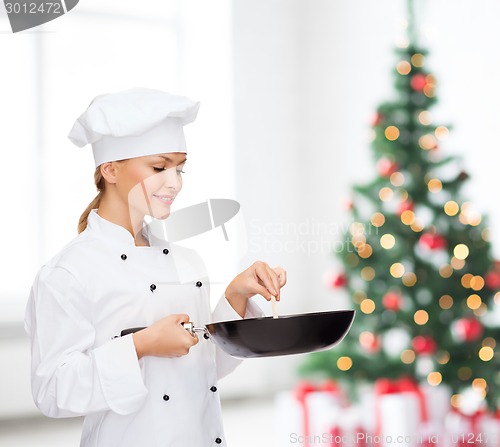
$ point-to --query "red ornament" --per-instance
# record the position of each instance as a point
(407, 205)
(348, 204)
(339, 280)
(423, 344)
(418, 82)
(369, 342)
(432, 241)
(392, 301)
(377, 119)
(492, 278)
(467, 329)
(387, 167)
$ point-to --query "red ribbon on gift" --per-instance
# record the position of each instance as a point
(361, 440)
(403, 385)
(301, 392)
(336, 436)
(474, 420)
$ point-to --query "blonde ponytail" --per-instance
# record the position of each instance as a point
(99, 183)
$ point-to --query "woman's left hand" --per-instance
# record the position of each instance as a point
(260, 279)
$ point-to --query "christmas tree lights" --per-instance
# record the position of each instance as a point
(417, 258)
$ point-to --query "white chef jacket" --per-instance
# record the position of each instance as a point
(96, 286)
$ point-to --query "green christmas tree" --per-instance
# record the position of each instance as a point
(417, 259)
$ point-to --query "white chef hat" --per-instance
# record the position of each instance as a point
(133, 123)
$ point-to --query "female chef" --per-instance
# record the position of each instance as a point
(158, 386)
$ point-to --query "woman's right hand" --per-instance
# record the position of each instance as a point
(165, 338)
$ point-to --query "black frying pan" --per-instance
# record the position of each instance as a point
(268, 336)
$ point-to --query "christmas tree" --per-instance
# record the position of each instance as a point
(416, 258)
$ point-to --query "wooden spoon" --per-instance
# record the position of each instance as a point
(273, 305)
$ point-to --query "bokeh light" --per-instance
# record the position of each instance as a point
(408, 356)
(377, 220)
(421, 317)
(466, 280)
(397, 270)
(479, 384)
(486, 353)
(403, 68)
(489, 341)
(425, 117)
(446, 302)
(474, 301)
(434, 378)
(457, 264)
(418, 60)
(442, 133)
(435, 185)
(408, 217)
(477, 282)
(386, 194)
(397, 179)
(461, 251)
(451, 208)
(443, 357)
(409, 279)
(445, 271)
(365, 251)
(344, 363)
(387, 241)
(368, 273)
(417, 226)
(367, 306)
(427, 142)
(391, 133)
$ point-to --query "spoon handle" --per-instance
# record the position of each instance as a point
(274, 307)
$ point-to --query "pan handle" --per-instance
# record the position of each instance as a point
(131, 330)
(189, 326)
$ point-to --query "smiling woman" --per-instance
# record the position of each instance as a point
(143, 165)
(101, 282)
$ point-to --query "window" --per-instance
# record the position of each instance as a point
(50, 74)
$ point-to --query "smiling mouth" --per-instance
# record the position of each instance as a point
(164, 199)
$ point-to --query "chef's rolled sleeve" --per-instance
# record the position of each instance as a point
(225, 312)
(69, 375)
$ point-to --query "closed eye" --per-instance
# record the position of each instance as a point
(179, 169)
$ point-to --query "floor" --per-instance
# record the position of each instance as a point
(247, 423)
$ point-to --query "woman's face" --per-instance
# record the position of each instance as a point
(150, 184)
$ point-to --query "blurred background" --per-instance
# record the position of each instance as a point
(288, 91)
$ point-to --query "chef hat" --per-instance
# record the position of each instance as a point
(133, 123)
